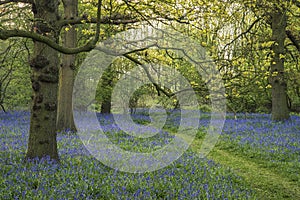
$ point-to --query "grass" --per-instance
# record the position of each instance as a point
(239, 167)
(265, 180)
(264, 153)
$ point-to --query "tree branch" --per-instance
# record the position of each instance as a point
(2, 2)
(243, 33)
(137, 11)
(293, 39)
(95, 40)
(115, 20)
(157, 87)
(5, 34)
(297, 3)
(2, 107)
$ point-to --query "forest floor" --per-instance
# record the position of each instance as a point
(267, 179)
(254, 158)
(264, 179)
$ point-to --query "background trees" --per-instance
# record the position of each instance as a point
(14, 74)
(67, 71)
(255, 41)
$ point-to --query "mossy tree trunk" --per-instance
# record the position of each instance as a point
(107, 86)
(65, 120)
(277, 78)
(44, 78)
(106, 105)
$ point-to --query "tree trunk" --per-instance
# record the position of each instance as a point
(44, 78)
(106, 89)
(277, 79)
(65, 120)
(106, 105)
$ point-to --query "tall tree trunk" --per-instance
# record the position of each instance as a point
(106, 105)
(106, 88)
(44, 78)
(277, 79)
(65, 120)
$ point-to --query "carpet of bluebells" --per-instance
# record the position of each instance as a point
(260, 138)
(257, 133)
(80, 176)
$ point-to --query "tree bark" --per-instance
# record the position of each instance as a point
(280, 110)
(106, 89)
(106, 106)
(44, 78)
(65, 120)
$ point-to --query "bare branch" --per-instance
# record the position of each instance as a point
(157, 87)
(138, 12)
(243, 33)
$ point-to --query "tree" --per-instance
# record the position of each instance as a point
(107, 84)
(279, 15)
(65, 120)
(277, 79)
(5, 74)
(44, 78)
(14, 74)
(46, 26)
(45, 32)
(259, 36)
